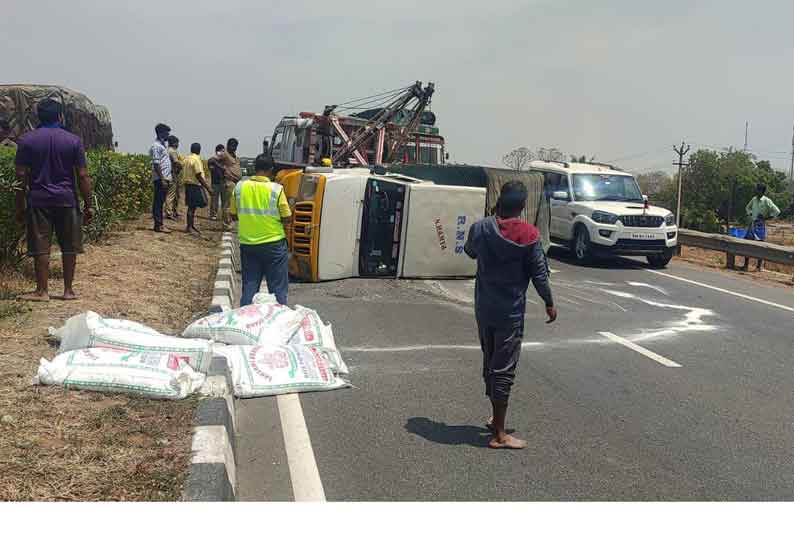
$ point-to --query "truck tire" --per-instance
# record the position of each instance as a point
(660, 261)
(580, 246)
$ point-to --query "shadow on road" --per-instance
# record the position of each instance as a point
(448, 434)
(614, 262)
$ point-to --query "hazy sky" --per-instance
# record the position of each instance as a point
(621, 79)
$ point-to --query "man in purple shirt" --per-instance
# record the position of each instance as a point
(48, 163)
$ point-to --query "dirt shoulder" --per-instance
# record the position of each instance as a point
(782, 275)
(83, 446)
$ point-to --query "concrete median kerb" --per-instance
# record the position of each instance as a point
(212, 474)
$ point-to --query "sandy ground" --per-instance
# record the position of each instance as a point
(776, 273)
(781, 233)
(77, 445)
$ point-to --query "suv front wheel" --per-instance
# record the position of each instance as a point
(660, 260)
(581, 245)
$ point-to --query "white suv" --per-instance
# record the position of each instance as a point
(598, 210)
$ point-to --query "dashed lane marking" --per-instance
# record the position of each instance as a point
(637, 348)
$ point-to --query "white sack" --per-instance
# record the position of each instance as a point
(89, 330)
(158, 375)
(312, 331)
(262, 298)
(259, 371)
(270, 323)
(78, 324)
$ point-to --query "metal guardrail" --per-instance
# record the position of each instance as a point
(733, 247)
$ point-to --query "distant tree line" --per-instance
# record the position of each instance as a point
(518, 159)
(717, 186)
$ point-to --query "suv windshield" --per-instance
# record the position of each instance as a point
(601, 187)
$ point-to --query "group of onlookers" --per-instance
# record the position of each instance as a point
(174, 174)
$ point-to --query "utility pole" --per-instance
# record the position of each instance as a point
(791, 170)
(746, 131)
(681, 152)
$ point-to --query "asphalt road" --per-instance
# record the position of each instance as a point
(651, 386)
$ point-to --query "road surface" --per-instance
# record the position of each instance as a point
(670, 385)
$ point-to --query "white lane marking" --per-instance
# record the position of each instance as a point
(415, 347)
(306, 483)
(722, 290)
(637, 348)
(644, 285)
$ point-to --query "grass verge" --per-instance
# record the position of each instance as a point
(86, 446)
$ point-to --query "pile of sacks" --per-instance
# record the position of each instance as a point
(270, 348)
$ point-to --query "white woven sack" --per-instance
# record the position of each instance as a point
(262, 298)
(89, 330)
(269, 323)
(78, 324)
(259, 371)
(158, 375)
(312, 331)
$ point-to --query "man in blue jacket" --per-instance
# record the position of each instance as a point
(509, 256)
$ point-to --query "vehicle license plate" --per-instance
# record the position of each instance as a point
(644, 236)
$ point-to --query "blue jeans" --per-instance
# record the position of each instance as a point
(268, 261)
(160, 191)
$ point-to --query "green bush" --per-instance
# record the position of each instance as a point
(10, 233)
(121, 190)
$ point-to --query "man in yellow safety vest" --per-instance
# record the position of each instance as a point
(261, 208)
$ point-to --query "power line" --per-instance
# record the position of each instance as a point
(388, 92)
(638, 155)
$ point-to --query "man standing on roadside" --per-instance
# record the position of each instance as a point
(193, 179)
(261, 207)
(509, 256)
(5, 135)
(161, 174)
(759, 210)
(231, 174)
(216, 176)
(175, 186)
(46, 161)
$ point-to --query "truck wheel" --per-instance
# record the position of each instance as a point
(581, 245)
(660, 261)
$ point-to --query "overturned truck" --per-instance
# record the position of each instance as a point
(537, 208)
(409, 222)
(82, 117)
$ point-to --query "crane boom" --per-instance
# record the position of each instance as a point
(412, 124)
(352, 145)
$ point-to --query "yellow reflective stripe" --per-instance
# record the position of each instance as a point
(254, 211)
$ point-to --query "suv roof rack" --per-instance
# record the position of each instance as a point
(610, 166)
(564, 164)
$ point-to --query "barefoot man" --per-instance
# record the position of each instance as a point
(509, 256)
(46, 202)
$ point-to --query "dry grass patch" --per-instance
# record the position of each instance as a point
(79, 445)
